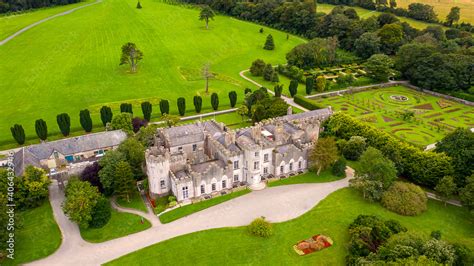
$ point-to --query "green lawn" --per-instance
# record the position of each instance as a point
(199, 206)
(434, 117)
(120, 224)
(309, 177)
(38, 237)
(136, 202)
(72, 62)
(232, 246)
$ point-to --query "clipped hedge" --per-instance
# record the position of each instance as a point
(423, 168)
(307, 103)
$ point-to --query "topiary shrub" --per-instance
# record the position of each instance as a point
(405, 199)
(260, 227)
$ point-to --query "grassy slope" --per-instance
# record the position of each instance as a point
(309, 177)
(120, 224)
(136, 202)
(13, 23)
(71, 63)
(38, 237)
(231, 246)
(192, 208)
(442, 7)
(365, 13)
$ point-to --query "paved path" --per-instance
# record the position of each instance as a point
(277, 204)
(288, 100)
(44, 20)
(147, 215)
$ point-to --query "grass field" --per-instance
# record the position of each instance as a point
(136, 202)
(442, 7)
(434, 117)
(331, 217)
(72, 62)
(119, 225)
(186, 210)
(38, 237)
(309, 177)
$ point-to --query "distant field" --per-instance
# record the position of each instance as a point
(434, 117)
(442, 7)
(72, 62)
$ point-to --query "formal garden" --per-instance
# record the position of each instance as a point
(410, 115)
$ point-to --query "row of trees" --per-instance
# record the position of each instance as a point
(106, 115)
(19, 5)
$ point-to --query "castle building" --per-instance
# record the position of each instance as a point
(205, 158)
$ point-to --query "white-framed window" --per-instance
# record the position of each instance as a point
(213, 186)
(185, 192)
(203, 189)
(291, 166)
(265, 157)
(256, 154)
(236, 165)
(256, 165)
(224, 184)
(265, 170)
(300, 164)
(281, 169)
(236, 178)
(162, 184)
(194, 147)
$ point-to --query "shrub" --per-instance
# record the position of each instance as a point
(405, 199)
(171, 198)
(101, 213)
(232, 98)
(126, 108)
(147, 109)
(122, 121)
(41, 129)
(260, 227)
(293, 88)
(64, 123)
(436, 234)
(164, 107)
(85, 119)
(181, 106)
(439, 251)
(197, 100)
(172, 204)
(269, 44)
(307, 103)
(278, 89)
(106, 115)
(309, 84)
(257, 67)
(354, 148)
(339, 167)
(215, 101)
(138, 123)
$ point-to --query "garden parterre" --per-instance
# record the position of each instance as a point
(433, 117)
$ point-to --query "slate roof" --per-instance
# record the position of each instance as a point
(181, 135)
(325, 112)
(201, 167)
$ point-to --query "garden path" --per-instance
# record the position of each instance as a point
(150, 216)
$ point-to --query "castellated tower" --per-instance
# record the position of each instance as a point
(158, 168)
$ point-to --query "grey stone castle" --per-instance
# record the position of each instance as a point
(204, 158)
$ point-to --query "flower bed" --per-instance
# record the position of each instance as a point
(312, 244)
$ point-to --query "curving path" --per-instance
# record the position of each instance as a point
(150, 216)
(2, 42)
(277, 204)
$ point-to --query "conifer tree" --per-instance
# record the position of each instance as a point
(197, 103)
(293, 87)
(41, 129)
(124, 182)
(147, 109)
(269, 44)
(18, 133)
(268, 72)
(85, 120)
(232, 98)
(215, 101)
(126, 108)
(309, 84)
(139, 5)
(181, 106)
(105, 115)
(64, 123)
(164, 107)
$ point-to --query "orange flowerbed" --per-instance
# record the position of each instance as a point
(310, 245)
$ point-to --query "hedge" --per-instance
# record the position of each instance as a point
(423, 168)
(307, 103)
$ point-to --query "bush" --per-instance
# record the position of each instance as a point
(257, 67)
(122, 121)
(306, 103)
(260, 227)
(181, 106)
(172, 204)
(339, 167)
(436, 234)
(171, 198)
(354, 148)
(18, 134)
(101, 213)
(405, 199)
(164, 107)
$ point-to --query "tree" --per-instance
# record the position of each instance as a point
(232, 98)
(391, 37)
(106, 115)
(422, 12)
(323, 154)
(367, 45)
(31, 188)
(339, 167)
(354, 148)
(257, 67)
(453, 16)
(124, 183)
(309, 84)
(293, 88)
(147, 109)
(131, 55)
(439, 251)
(91, 174)
(379, 67)
(278, 90)
(181, 106)
(374, 175)
(215, 101)
(18, 133)
(446, 188)
(126, 108)
(41, 129)
(164, 107)
(139, 6)
(243, 110)
(207, 74)
(101, 213)
(275, 77)
(81, 199)
(197, 100)
(122, 121)
(459, 145)
(393, 4)
(269, 44)
(85, 119)
(321, 83)
(467, 193)
(405, 199)
(387, 18)
(268, 72)
(138, 123)
(107, 171)
(134, 153)
(170, 120)
(64, 123)
(206, 14)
